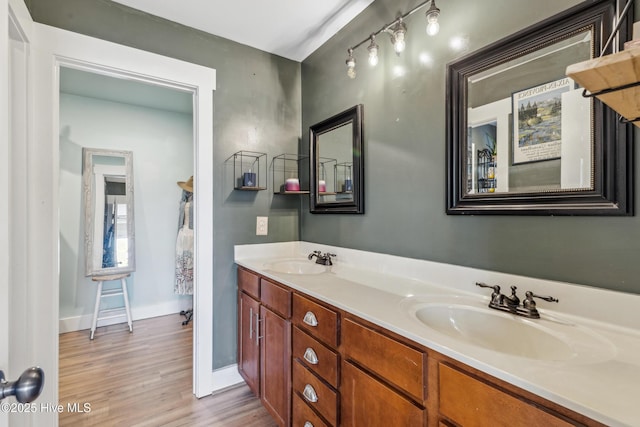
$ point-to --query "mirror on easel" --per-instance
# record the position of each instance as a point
(109, 234)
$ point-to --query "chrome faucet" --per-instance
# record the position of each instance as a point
(511, 303)
(323, 259)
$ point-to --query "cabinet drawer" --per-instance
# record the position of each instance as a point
(471, 402)
(313, 391)
(397, 363)
(249, 282)
(366, 402)
(316, 319)
(304, 416)
(316, 356)
(275, 297)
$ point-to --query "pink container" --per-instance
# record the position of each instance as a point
(322, 186)
(292, 184)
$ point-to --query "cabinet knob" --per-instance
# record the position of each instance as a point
(310, 319)
(310, 356)
(309, 393)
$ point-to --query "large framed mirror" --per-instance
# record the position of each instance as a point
(521, 138)
(337, 163)
(109, 233)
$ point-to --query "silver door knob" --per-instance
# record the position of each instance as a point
(26, 389)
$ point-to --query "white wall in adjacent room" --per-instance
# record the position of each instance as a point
(162, 146)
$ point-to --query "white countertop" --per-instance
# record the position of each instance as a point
(602, 381)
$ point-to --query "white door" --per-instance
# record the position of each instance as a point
(17, 327)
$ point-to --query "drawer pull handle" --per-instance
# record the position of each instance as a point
(308, 424)
(310, 394)
(310, 319)
(258, 336)
(310, 356)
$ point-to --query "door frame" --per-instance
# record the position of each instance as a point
(59, 48)
(16, 353)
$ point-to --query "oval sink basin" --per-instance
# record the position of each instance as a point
(504, 333)
(296, 267)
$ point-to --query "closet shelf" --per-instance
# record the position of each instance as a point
(613, 79)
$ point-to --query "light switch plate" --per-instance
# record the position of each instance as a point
(262, 225)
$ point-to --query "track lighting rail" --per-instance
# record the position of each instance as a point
(397, 30)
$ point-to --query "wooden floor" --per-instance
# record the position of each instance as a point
(144, 379)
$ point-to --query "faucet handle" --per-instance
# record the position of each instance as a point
(530, 295)
(495, 288)
(530, 305)
(314, 254)
(329, 255)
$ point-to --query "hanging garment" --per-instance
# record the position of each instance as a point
(184, 254)
(108, 243)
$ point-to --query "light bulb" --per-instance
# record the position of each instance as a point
(399, 44)
(373, 58)
(432, 19)
(373, 52)
(351, 65)
(398, 36)
(433, 28)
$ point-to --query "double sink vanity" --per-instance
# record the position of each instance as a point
(368, 339)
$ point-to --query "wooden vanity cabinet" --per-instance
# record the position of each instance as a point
(319, 366)
(248, 342)
(471, 402)
(383, 379)
(264, 342)
(316, 370)
(369, 402)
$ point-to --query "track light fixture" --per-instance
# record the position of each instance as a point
(373, 51)
(432, 19)
(351, 65)
(397, 36)
(397, 31)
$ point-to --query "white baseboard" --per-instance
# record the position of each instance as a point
(225, 377)
(78, 323)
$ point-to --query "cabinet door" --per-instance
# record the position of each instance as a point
(472, 403)
(248, 344)
(366, 402)
(275, 389)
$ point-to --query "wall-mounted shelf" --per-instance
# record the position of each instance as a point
(613, 79)
(343, 178)
(286, 170)
(249, 170)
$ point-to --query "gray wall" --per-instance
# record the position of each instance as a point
(259, 94)
(257, 106)
(405, 157)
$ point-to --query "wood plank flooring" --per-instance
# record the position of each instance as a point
(144, 379)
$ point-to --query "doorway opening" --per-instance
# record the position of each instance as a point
(107, 111)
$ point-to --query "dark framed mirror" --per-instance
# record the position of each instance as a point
(521, 138)
(337, 163)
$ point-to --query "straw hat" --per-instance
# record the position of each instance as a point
(188, 185)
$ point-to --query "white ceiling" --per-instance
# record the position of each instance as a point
(289, 28)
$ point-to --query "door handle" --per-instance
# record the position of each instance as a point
(250, 323)
(26, 389)
(258, 320)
